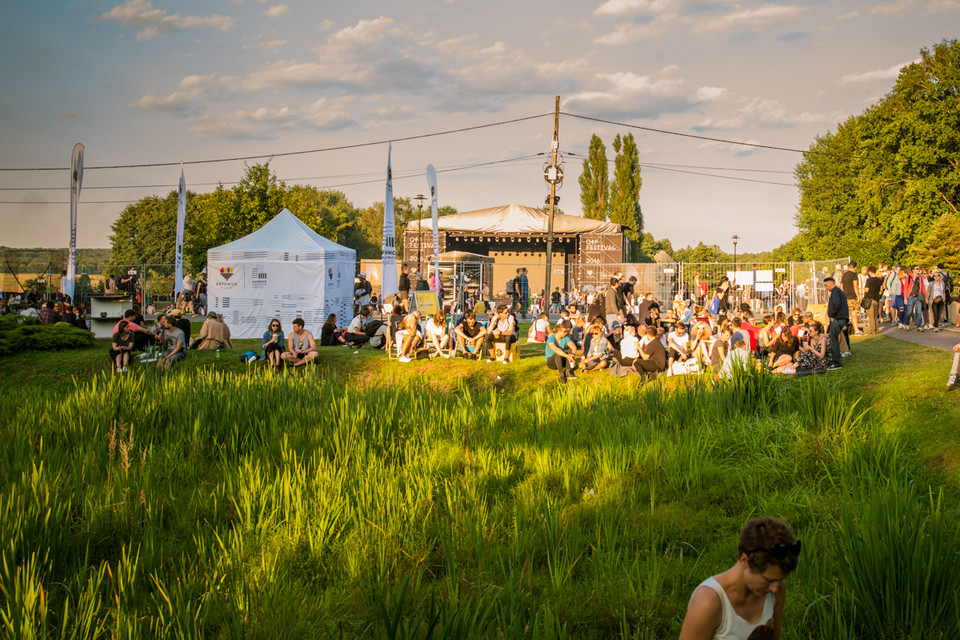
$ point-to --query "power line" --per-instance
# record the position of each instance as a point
(415, 174)
(753, 145)
(286, 153)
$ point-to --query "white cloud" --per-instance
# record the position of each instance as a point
(631, 95)
(184, 102)
(849, 16)
(711, 94)
(935, 6)
(267, 122)
(276, 10)
(766, 111)
(326, 25)
(893, 8)
(629, 7)
(629, 32)
(151, 22)
(752, 17)
(877, 74)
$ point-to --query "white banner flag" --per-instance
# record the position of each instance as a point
(181, 216)
(432, 182)
(76, 180)
(388, 269)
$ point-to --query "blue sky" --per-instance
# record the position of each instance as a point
(153, 81)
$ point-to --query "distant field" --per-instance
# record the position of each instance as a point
(367, 498)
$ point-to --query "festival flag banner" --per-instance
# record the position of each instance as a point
(181, 217)
(389, 284)
(76, 181)
(432, 182)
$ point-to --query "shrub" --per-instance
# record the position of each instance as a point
(18, 333)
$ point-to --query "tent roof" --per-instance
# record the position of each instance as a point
(515, 219)
(285, 232)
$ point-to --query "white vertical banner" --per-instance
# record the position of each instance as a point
(76, 181)
(388, 268)
(432, 182)
(181, 217)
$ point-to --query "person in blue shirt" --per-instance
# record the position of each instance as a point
(560, 353)
(524, 291)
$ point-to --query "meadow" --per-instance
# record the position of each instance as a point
(364, 498)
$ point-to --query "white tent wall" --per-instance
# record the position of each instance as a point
(283, 270)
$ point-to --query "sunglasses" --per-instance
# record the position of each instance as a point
(782, 549)
(275, 325)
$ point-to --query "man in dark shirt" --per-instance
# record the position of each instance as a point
(653, 357)
(871, 292)
(404, 288)
(643, 311)
(839, 315)
(850, 285)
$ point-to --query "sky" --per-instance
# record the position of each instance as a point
(163, 82)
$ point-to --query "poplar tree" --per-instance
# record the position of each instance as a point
(595, 181)
(625, 193)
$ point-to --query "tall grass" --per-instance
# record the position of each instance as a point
(215, 505)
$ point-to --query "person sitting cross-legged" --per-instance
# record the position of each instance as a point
(953, 380)
(599, 351)
(301, 347)
(272, 343)
(175, 342)
(653, 356)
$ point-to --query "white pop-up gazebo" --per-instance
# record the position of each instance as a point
(283, 270)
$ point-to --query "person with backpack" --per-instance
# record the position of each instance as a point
(513, 290)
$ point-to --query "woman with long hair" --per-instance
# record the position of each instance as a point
(272, 343)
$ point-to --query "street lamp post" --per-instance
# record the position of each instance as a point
(420, 199)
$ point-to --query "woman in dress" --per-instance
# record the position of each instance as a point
(813, 353)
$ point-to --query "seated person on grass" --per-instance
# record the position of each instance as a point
(598, 353)
(437, 338)
(784, 352)
(470, 335)
(560, 354)
(409, 336)
(501, 330)
(677, 342)
(301, 347)
(120, 346)
(627, 350)
(214, 334)
(272, 343)
(653, 356)
(754, 588)
(355, 334)
(175, 342)
(540, 329)
(738, 358)
(721, 348)
(141, 336)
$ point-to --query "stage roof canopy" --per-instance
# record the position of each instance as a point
(515, 219)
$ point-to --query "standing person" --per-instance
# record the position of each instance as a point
(301, 347)
(188, 293)
(851, 288)
(894, 285)
(741, 601)
(938, 297)
(272, 343)
(559, 354)
(555, 299)
(403, 288)
(629, 290)
(361, 293)
(612, 298)
(513, 290)
(200, 291)
(915, 291)
(872, 287)
(838, 316)
(723, 293)
(524, 292)
(953, 382)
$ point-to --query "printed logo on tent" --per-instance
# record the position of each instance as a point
(226, 273)
(330, 274)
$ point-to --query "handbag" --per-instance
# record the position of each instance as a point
(865, 303)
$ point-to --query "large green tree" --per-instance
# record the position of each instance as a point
(874, 189)
(595, 181)
(625, 191)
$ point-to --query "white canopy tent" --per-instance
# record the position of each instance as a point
(283, 270)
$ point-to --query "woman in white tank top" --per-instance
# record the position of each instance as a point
(745, 602)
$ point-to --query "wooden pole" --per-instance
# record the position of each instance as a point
(553, 192)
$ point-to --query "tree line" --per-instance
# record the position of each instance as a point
(145, 231)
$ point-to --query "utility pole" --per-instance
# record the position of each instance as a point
(420, 199)
(553, 176)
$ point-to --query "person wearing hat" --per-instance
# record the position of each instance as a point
(361, 293)
(214, 334)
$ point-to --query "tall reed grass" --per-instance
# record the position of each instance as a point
(215, 505)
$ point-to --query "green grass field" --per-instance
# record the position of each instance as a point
(364, 498)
